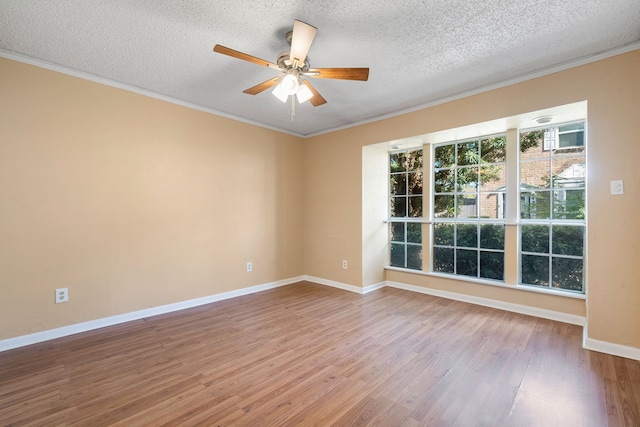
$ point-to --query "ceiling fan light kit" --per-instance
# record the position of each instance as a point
(304, 93)
(294, 64)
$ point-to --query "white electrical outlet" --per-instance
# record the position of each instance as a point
(345, 264)
(249, 266)
(62, 295)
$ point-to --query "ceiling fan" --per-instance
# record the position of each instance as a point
(294, 64)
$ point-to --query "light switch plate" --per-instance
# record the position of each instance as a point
(617, 187)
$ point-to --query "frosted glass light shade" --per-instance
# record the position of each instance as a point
(289, 84)
(304, 93)
(280, 93)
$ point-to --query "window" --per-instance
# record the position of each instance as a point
(405, 224)
(507, 207)
(552, 208)
(565, 136)
(468, 207)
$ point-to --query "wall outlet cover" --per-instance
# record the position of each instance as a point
(62, 295)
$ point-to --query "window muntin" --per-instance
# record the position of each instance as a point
(552, 209)
(468, 195)
(405, 208)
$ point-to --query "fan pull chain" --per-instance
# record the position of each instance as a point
(293, 107)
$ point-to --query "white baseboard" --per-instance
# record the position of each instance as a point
(334, 284)
(588, 343)
(609, 348)
(344, 286)
(373, 287)
(507, 306)
(64, 331)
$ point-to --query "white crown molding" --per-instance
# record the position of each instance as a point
(64, 331)
(144, 92)
(503, 83)
(463, 94)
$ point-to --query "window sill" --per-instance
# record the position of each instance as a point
(487, 282)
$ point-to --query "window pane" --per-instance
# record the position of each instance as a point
(531, 145)
(397, 254)
(535, 173)
(398, 184)
(571, 138)
(535, 204)
(414, 160)
(492, 265)
(467, 235)
(444, 156)
(467, 262)
(492, 205)
(444, 181)
(535, 270)
(493, 150)
(414, 257)
(568, 204)
(443, 206)
(405, 191)
(569, 172)
(492, 177)
(398, 162)
(535, 238)
(467, 180)
(568, 240)
(468, 153)
(492, 236)
(567, 273)
(467, 206)
(398, 206)
(443, 234)
(397, 231)
(415, 183)
(415, 206)
(572, 126)
(443, 260)
(414, 232)
(553, 189)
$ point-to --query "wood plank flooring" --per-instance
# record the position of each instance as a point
(311, 355)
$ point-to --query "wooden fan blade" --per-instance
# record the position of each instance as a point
(262, 86)
(234, 53)
(317, 99)
(361, 74)
(301, 39)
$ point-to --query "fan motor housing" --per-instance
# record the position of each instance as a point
(284, 63)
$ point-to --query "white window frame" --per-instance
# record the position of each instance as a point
(551, 222)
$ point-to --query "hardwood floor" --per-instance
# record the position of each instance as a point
(311, 355)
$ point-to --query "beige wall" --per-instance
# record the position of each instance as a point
(131, 202)
(334, 209)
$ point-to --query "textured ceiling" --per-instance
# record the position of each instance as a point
(419, 52)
